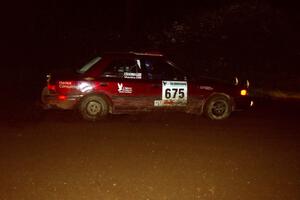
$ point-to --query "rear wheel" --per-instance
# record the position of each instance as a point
(93, 108)
(218, 107)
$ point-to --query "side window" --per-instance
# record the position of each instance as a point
(160, 70)
(123, 68)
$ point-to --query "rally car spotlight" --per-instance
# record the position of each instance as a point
(236, 81)
(247, 83)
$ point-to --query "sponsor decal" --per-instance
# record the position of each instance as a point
(206, 88)
(66, 84)
(158, 103)
(132, 75)
(124, 90)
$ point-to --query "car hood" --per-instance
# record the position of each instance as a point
(211, 81)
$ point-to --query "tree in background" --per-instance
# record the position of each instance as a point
(250, 38)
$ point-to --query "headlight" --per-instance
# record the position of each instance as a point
(236, 81)
(243, 92)
(248, 83)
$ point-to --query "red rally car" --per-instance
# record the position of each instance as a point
(132, 81)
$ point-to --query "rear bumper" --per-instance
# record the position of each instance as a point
(52, 101)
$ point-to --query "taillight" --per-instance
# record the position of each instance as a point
(51, 87)
(62, 97)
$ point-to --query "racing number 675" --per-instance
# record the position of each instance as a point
(177, 93)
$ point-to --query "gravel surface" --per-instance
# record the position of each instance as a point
(252, 155)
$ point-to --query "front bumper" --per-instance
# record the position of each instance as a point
(243, 103)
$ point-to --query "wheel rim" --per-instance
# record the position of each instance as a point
(94, 108)
(219, 108)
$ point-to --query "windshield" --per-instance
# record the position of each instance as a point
(87, 66)
(180, 70)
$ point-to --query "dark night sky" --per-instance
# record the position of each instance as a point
(32, 18)
(54, 27)
(39, 36)
(37, 27)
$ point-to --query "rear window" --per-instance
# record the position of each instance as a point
(124, 68)
(88, 65)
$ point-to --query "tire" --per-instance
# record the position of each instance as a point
(218, 107)
(93, 108)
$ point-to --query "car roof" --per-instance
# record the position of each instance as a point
(135, 53)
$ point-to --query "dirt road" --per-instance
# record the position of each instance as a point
(252, 155)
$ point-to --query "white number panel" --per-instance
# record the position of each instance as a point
(174, 92)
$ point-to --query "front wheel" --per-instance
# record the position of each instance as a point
(218, 107)
(93, 108)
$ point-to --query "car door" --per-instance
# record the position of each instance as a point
(125, 84)
(167, 86)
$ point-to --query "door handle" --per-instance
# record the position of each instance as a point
(156, 85)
